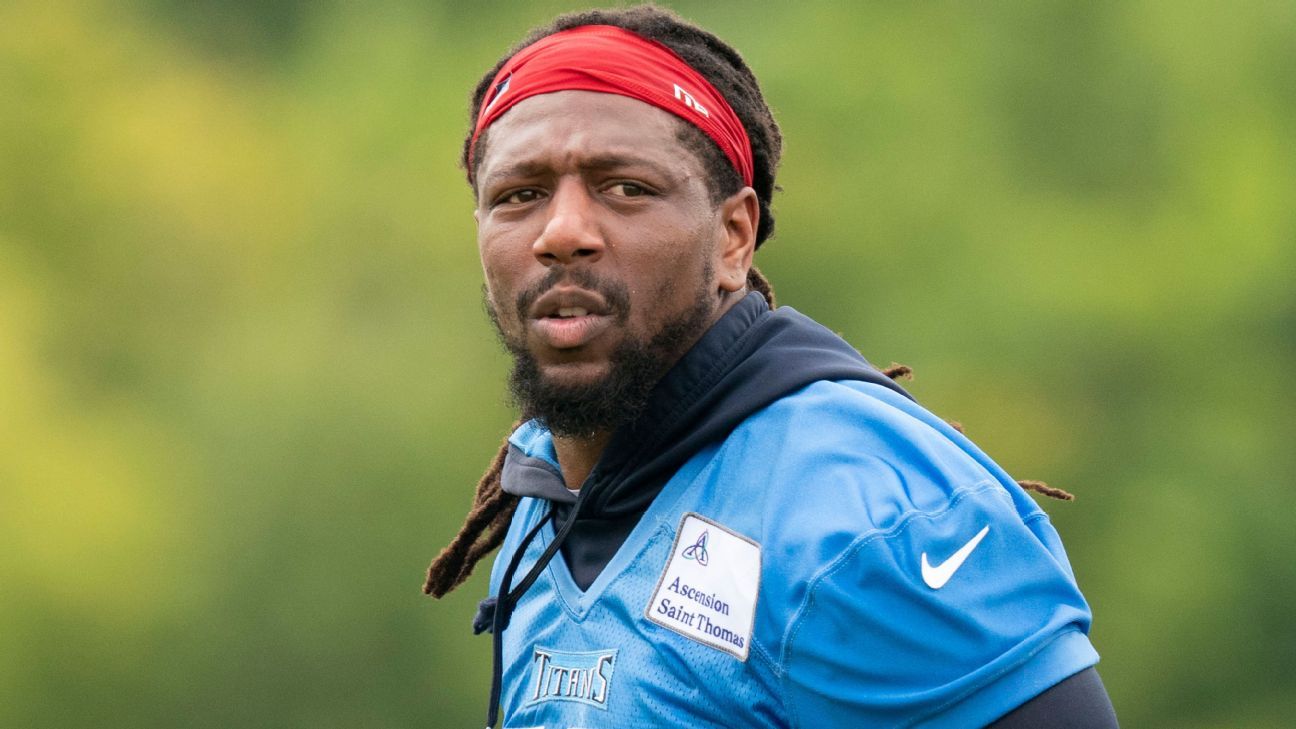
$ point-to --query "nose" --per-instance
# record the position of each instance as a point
(571, 231)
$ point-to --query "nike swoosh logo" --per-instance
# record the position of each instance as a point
(937, 576)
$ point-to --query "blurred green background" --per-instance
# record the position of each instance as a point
(246, 386)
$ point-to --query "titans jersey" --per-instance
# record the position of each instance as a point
(842, 559)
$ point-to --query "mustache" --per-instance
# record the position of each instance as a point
(615, 293)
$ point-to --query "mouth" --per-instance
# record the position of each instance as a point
(570, 312)
(569, 318)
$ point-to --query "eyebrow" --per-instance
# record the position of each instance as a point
(600, 163)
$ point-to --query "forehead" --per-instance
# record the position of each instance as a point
(573, 127)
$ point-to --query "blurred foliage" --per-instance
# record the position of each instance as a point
(246, 385)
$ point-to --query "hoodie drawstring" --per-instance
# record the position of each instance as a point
(508, 598)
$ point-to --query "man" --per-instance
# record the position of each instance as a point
(714, 513)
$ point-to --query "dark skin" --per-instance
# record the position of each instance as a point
(584, 179)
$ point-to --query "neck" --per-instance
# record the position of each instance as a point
(577, 456)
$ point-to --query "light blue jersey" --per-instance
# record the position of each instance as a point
(842, 559)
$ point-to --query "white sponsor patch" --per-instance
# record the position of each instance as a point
(708, 591)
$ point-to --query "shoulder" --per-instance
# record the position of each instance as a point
(897, 555)
(859, 457)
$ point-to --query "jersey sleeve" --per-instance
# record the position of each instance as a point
(948, 618)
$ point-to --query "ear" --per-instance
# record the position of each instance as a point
(739, 216)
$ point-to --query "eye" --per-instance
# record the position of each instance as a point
(627, 189)
(519, 197)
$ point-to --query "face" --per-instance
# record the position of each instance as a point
(598, 237)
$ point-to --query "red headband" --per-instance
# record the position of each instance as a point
(611, 60)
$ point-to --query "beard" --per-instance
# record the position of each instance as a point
(634, 367)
